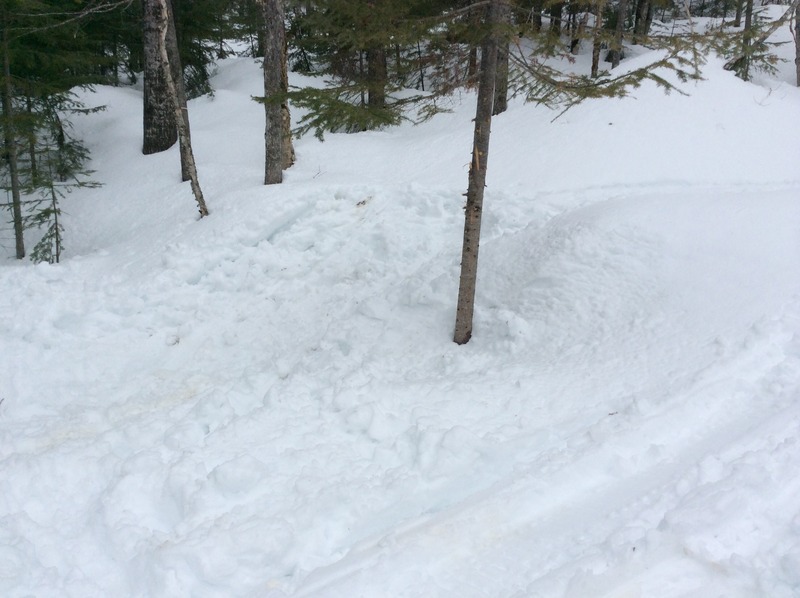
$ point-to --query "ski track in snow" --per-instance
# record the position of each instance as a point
(267, 402)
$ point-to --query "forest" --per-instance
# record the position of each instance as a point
(249, 349)
(383, 61)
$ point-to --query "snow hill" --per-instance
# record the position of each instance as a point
(267, 402)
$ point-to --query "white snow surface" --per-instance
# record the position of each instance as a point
(267, 402)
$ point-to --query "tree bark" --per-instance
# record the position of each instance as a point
(797, 42)
(615, 54)
(747, 42)
(737, 19)
(287, 154)
(10, 148)
(274, 76)
(176, 69)
(477, 180)
(643, 17)
(556, 12)
(597, 41)
(500, 103)
(377, 77)
(160, 126)
(179, 112)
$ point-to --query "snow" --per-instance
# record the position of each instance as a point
(267, 402)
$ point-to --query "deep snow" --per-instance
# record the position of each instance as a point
(267, 402)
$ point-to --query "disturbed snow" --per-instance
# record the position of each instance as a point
(267, 402)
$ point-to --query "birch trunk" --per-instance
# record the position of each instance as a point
(180, 114)
(160, 129)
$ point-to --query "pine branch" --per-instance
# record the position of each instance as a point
(734, 62)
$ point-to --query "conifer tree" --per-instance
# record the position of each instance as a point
(45, 53)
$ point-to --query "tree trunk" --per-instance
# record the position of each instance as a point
(472, 66)
(797, 42)
(737, 19)
(276, 113)
(176, 69)
(615, 54)
(500, 102)
(477, 180)
(597, 41)
(179, 112)
(10, 149)
(577, 31)
(160, 127)
(747, 42)
(536, 15)
(287, 154)
(376, 77)
(556, 11)
(640, 27)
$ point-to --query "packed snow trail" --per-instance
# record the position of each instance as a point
(267, 402)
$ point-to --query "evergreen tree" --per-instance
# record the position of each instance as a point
(45, 53)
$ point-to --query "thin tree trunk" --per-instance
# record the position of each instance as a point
(797, 42)
(737, 19)
(184, 136)
(176, 69)
(477, 180)
(31, 138)
(274, 41)
(747, 42)
(287, 148)
(597, 41)
(10, 147)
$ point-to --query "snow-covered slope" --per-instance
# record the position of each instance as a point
(267, 402)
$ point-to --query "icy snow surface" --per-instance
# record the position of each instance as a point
(267, 402)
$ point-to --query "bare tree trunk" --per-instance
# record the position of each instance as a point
(10, 149)
(747, 41)
(287, 153)
(500, 103)
(477, 180)
(797, 42)
(556, 11)
(577, 31)
(176, 69)
(615, 54)
(376, 77)
(536, 15)
(274, 69)
(597, 41)
(737, 19)
(181, 118)
(643, 17)
(472, 67)
(160, 128)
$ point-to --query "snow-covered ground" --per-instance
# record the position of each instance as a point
(267, 402)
